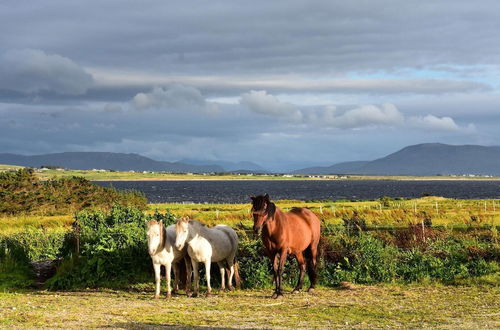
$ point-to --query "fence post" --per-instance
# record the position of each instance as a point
(76, 231)
(217, 214)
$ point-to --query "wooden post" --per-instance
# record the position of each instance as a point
(321, 209)
(484, 206)
(437, 208)
(217, 214)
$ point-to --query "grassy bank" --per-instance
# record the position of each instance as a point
(388, 213)
(360, 306)
(138, 176)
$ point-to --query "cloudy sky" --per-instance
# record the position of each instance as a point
(286, 84)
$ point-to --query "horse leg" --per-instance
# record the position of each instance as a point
(168, 269)
(176, 277)
(281, 268)
(230, 265)
(189, 273)
(275, 275)
(157, 269)
(302, 267)
(207, 276)
(222, 275)
(311, 266)
(196, 278)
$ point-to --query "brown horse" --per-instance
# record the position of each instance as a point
(296, 232)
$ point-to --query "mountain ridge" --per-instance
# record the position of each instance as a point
(425, 159)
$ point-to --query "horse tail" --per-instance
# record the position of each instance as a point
(237, 277)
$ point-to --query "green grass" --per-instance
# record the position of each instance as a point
(10, 167)
(120, 175)
(360, 306)
(450, 213)
(398, 213)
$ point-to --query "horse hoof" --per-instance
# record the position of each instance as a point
(194, 295)
(295, 291)
(169, 295)
(231, 288)
(208, 294)
(277, 295)
(310, 290)
(156, 296)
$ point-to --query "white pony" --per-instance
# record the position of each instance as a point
(206, 245)
(163, 252)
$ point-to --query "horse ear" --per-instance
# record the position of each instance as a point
(266, 197)
(252, 197)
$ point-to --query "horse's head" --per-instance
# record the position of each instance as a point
(181, 232)
(155, 236)
(262, 211)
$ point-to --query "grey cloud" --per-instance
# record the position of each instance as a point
(263, 103)
(276, 37)
(174, 97)
(33, 71)
(362, 116)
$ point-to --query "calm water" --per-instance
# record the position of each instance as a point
(238, 191)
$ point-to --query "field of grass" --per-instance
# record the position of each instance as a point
(392, 213)
(10, 167)
(395, 213)
(359, 306)
(131, 176)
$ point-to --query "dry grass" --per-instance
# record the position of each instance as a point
(358, 306)
(448, 212)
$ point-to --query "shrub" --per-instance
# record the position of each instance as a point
(113, 249)
(22, 192)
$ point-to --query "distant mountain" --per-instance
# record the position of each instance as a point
(242, 167)
(424, 159)
(104, 160)
(339, 168)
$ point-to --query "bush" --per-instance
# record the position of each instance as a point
(113, 249)
(22, 193)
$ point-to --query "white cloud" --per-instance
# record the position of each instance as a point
(32, 71)
(263, 103)
(433, 123)
(174, 97)
(365, 115)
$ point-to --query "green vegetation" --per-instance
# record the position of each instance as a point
(21, 192)
(106, 175)
(112, 252)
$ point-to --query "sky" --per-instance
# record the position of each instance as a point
(285, 84)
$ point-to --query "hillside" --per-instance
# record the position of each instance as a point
(104, 160)
(424, 159)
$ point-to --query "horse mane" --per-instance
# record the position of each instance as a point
(196, 223)
(258, 204)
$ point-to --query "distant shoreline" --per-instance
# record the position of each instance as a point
(100, 176)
